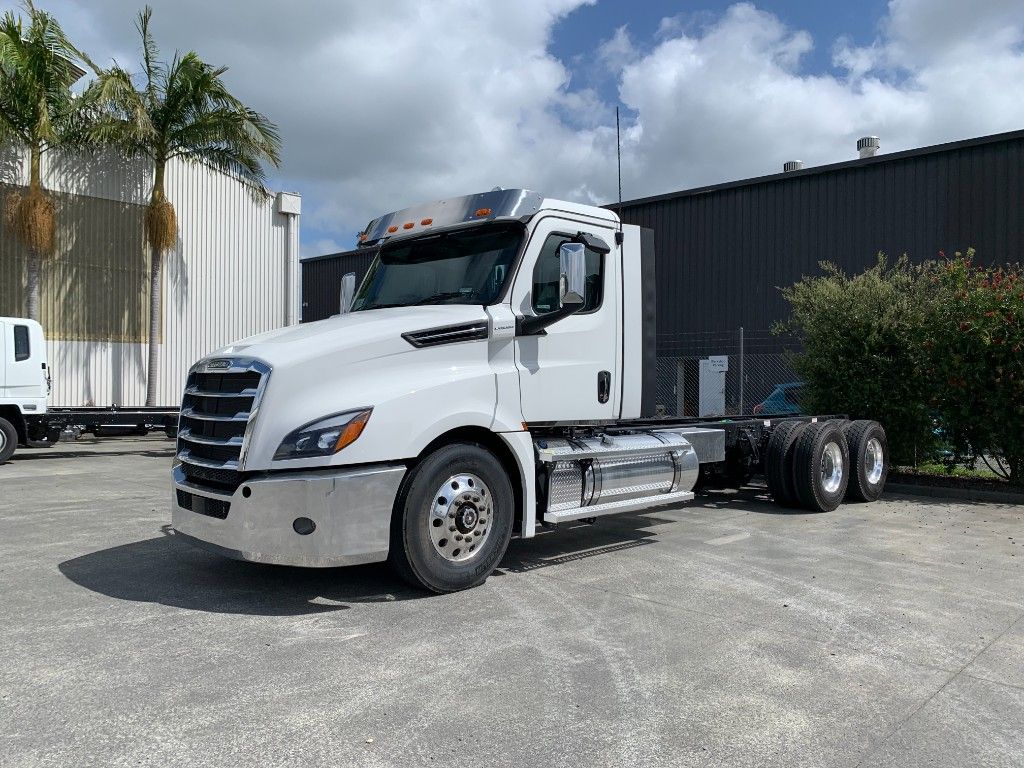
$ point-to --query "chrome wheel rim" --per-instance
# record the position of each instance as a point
(874, 461)
(460, 517)
(3, 440)
(831, 468)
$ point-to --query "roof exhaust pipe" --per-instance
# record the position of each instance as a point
(867, 146)
(792, 165)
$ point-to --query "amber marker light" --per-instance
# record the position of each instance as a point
(352, 430)
(409, 225)
(426, 222)
(393, 228)
(483, 211)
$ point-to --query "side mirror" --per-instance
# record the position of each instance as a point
(572, 280)
(348, 292)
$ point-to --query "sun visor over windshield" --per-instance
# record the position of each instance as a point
(499, 204)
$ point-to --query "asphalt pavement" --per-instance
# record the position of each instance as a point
(720, 633)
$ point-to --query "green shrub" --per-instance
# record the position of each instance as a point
(861, 350)
(974, 342)
(935, 353)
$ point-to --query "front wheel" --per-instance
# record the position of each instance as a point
(452, 519)
(8, 440)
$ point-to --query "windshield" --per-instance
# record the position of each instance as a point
(461, 267)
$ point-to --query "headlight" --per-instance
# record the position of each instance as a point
(324, 437)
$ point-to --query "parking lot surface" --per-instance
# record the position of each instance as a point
(720, 633)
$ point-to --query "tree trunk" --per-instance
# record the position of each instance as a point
(152, 377)
(155, 264)
(35, 183)
(32, 287)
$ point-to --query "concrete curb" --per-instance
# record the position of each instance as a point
(965, 494)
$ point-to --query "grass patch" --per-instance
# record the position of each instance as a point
(938, 469)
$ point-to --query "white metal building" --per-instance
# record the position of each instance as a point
(232, 274)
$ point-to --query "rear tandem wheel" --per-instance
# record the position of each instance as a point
(821, 466)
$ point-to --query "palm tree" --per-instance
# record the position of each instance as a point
(37, 111)
(181, 110)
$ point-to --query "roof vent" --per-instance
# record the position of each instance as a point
(867, 146)
(792, 165)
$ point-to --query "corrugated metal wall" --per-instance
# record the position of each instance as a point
(223, 281)
(321, 281)
(95, 285)
(724, 251)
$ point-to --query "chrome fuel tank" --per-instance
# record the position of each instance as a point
(609, 473)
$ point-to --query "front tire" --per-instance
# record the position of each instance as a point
(8, 440)
(452, 519)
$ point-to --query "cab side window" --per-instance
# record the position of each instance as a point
(547, 271)
(22, 351)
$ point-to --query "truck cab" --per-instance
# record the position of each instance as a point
(24, 380)
(492, 374)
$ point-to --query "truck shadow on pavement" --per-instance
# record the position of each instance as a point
(171, 572)
(174, 573)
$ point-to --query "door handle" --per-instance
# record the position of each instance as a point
(604, 386)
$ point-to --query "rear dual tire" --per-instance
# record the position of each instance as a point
(816, 465)
(869, 459)
(779, 463)
(821, 466)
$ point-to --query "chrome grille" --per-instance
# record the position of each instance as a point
(220, 401)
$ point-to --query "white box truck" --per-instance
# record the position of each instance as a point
(25, 417)
(492, 375)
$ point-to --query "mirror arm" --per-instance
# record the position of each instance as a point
(534, 325)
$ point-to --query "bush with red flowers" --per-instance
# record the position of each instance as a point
(973, 334)
(934, 352)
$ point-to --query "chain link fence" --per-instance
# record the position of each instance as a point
(726, 374)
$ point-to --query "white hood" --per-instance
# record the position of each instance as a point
(351, 338)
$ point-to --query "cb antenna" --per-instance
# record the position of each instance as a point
(618, 159)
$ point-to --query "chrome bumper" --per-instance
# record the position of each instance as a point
(351, 509)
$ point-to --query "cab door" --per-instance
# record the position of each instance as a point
(3, 359)
(570, 372)
(23, 377)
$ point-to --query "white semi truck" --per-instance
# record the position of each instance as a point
(492, 375)
(26, 419)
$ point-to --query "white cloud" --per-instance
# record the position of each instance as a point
(731, 99)
(386, 104)
(617, 51)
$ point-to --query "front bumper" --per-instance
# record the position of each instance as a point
(351, 508)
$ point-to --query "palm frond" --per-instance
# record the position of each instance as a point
(37, 69)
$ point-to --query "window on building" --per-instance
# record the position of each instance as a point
(22, 350)
(547, 272)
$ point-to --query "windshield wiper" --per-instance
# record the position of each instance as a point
(443, 297)
(380, 306)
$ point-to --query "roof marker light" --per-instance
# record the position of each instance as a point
(427, 222)
(483, 211)
(393, 228)
(409, 225)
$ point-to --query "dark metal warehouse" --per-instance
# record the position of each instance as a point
(724, 250)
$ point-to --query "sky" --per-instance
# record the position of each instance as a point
(383, 105)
